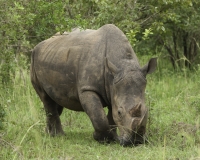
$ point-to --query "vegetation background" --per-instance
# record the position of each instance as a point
(168, 29)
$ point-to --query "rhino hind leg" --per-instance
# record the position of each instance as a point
(53, 112)
(59, 109)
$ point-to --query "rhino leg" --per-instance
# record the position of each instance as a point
(112, 124)
(59, 109)
(53, 112)
(92, 105)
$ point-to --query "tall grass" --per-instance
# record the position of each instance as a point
(173, 127)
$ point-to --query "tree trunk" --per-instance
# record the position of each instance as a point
(176, 55)
(186, 50)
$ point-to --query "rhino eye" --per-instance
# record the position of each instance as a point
(119, 113)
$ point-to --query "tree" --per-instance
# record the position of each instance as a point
(174, 24)
(148, 24)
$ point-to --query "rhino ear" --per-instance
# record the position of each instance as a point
(150, 67)
(111, 67)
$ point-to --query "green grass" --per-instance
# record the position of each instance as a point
(173, 126)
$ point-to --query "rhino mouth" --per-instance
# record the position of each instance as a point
(131, 140)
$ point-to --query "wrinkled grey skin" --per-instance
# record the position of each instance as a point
(88, 70)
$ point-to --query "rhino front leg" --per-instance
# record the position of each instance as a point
(112, 124)
(92, 105)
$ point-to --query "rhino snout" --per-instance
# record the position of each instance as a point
(135, 139)
(125, 143)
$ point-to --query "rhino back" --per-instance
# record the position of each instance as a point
(68, 64)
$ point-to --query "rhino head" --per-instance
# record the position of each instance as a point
(128, 101)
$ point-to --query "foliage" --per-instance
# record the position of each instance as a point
(171, 24)
(174, 25)
(26, 23)
(2, 115)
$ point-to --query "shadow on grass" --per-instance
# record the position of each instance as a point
(81, 137)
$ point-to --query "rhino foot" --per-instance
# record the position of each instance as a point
(104, 137)
(55, 132)
(134, 141)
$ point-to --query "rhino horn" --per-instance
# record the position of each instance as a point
(143, 117)
(136, 111)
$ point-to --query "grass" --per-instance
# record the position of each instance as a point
(173, 126)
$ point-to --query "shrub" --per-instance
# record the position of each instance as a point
(2, 116)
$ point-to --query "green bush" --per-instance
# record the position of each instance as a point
(2, 116)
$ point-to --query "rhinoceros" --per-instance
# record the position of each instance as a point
(87, 70)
